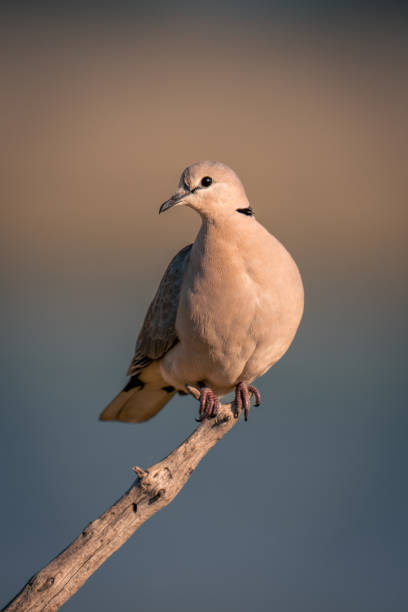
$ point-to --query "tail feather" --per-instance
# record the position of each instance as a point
(144, 395)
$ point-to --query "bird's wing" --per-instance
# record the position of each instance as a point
(158, 333)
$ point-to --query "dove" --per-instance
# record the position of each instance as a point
(226, 310)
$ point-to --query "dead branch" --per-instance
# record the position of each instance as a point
(154, 488)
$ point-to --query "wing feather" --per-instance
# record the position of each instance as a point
(158, 333)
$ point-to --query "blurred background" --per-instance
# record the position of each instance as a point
(102, 106)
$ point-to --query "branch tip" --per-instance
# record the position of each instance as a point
(139, 471)
(193, 391)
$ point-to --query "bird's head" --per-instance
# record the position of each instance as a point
(212, 189)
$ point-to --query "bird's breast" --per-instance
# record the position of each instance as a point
(240, 305)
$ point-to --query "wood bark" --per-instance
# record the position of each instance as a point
(154, 488)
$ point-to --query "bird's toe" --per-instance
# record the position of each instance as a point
(243, 394)
(209, 404)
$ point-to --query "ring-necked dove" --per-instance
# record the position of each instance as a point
(226, 310)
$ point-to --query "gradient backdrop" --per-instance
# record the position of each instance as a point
(304, 508)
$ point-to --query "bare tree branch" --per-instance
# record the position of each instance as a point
(155, 487)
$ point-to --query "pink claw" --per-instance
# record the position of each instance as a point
(209, 403)
(243, 394)
(256, 393)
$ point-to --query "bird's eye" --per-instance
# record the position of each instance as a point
(206, 181)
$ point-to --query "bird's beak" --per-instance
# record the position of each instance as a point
(177, 198)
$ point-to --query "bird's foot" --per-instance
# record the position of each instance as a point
(243, 394)
(209, 404)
